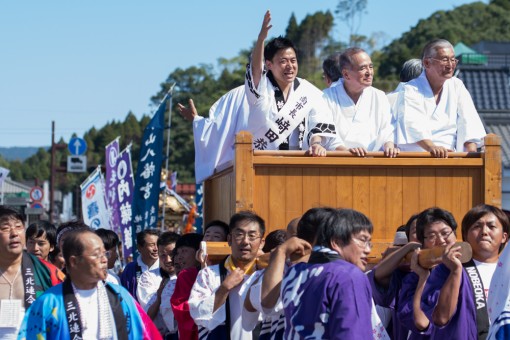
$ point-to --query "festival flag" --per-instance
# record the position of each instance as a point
(148, 175)
(93, 201)
(112, 156)
(3, 174)
(199, 201)
(125, 197)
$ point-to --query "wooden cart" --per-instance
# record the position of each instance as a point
(282, 185)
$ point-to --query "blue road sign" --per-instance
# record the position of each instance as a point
(77, 146)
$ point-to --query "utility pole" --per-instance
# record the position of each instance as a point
(52, 171)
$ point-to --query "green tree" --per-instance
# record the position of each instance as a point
(468, 23)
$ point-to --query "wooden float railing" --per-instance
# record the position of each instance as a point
(282, 185)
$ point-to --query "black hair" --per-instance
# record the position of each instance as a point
(341, 225)
(274, 239)
(217, 223)
(191, 240)
(430, 216)
(408, 225)
(309, 223)
(40, 228)
(140, 237)
(480, 211)
(67, 227)
(7, 213)
(244, 217)
(277, 44)
(72, 245)
(109, 238)
(331, 66)
(166, 238)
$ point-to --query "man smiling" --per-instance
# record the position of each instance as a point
(435, 111)
(216, 298)
(288, 112)
(362, 113)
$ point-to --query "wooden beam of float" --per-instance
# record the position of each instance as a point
(282, 185)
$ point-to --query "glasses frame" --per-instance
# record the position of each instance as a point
(240, 236)
(432, 237)
(10, 229)
(445, 61)
(105, 254)
(364, 243)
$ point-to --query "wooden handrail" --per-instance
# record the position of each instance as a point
(403, 154)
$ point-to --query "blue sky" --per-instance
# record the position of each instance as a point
(83, 64)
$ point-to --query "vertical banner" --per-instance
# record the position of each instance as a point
(93, 201)
(111, 157)
(148, 175)
(199, 201)
(3, 175)
(125, 197)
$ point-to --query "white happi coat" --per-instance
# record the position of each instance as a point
(201, 303)
(215, 136)
(450, 123)
(272, 126)
(367, 123)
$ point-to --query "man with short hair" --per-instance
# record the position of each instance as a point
(146, 243)
(331, 71)
(361, 112)
(84, 307)
(289, 112)
(216, 299)
(330, 296)
(435, 111)
(41, 239)
(23, 276)
(455, 296)
(156, 286)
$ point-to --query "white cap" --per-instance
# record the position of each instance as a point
(400, 238)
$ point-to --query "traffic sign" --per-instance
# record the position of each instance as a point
(76, 163)
(36, 194)
(77, 146)
(36, 205)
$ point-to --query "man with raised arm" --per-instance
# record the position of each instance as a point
(435, 111)
(362, 113)
(286, 112)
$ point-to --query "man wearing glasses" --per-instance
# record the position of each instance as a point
(84, 307)
(217, 297)
(435, 111)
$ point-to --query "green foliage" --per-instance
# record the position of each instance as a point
(468, 23)
(310, 37)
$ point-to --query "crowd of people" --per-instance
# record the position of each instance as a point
(310, 281)
(62, 283)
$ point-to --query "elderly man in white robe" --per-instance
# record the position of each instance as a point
(435, 111)
(362, 113)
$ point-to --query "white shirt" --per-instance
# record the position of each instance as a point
(486, 271)
(164, 321)
(450, 123)
(366, 123)
(148, 285)
(201, 303)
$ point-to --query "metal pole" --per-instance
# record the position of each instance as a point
(167, 152)
(52, 170)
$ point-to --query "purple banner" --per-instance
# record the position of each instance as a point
(125, 198)
(112, 155)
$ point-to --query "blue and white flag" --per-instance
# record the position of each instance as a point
(93, 201)
(199, 201)
(148, 175)
(3, 175)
